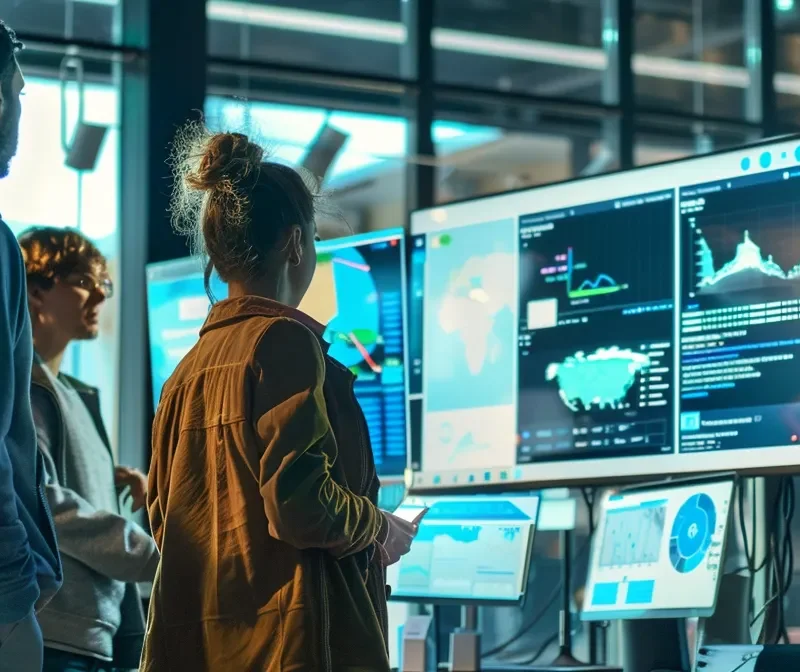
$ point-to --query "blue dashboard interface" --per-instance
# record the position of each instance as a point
(474, 548)
(358, 292)
(177, 306)
(659, 552)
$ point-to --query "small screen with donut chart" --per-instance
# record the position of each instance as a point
(658, 552)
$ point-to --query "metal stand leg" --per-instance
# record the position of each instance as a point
(465, 643)
(565, 657)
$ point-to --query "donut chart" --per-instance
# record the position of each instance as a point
(690, 537)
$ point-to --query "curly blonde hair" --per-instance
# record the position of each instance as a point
(234, 202)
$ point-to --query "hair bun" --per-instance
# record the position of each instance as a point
(227, 159)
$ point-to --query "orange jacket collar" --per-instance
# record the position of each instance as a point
(233, 310)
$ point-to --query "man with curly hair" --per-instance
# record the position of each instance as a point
(30, 571)
(95, 622)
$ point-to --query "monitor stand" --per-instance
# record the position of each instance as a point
(564, 661)
(565, 657)
(465, 642)
(657, 645)
(730, 622)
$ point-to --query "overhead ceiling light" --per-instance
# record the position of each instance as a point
(522, 50)
(321, 23)
(535, 51)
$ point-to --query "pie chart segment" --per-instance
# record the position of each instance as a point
(692, 532)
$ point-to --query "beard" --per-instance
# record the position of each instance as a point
(9, 131)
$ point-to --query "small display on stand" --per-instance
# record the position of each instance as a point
(468, 549)
(657, 559)
(658, 551)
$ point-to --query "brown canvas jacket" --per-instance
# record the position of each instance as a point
(262, 501)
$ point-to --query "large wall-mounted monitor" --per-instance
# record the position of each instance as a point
(358, 292)
(472, 548)
(621, 326)
(658, 552)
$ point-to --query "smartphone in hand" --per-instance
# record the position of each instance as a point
(418, 518)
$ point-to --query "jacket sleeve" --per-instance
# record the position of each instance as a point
(18, 586)
(106, 542)
(305, 507)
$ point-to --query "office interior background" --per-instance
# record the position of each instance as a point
(437, 99)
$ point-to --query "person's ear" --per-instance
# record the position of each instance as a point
(36, 297)
(296, 246)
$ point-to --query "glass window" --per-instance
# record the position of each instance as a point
(787, 60)
(691, 56)
(547, 48)
(361, 36)
(96, 20)
(526, 148)
(42, 190)
(366, 176)
(657, 142)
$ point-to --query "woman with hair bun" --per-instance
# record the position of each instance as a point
(262, 486)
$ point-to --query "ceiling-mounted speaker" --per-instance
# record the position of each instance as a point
(323, 151)
(87, 142)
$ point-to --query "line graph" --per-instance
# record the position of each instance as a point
(602, 284)
(603, 258)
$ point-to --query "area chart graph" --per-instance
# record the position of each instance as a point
(750, 268)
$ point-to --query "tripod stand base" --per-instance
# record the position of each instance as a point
(566, 659)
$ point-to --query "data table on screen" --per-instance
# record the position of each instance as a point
(740, 351)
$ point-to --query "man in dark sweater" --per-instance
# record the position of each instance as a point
(30, 571)
(96, 621)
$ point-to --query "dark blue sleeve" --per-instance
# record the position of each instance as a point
(18, 584)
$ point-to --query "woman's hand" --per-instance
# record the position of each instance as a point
(399, 537)
(128, 477)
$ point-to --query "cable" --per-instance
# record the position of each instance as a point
(552, 639)
(525, 629)
(588, 498)
(750, 567)
(745, 659)
(781, 552)
(787, 551)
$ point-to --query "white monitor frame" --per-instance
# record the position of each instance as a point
(655, 489)
(784, 155)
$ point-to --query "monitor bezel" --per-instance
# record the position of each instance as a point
(683, 470)
(457, 601)
(662, 614)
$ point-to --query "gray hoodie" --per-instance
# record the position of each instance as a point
(98, 610)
